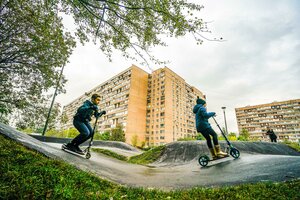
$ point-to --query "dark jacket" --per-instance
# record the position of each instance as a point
(271, 134)
(202, 117)
(84, 113)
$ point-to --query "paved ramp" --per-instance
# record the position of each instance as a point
(249, 168)
(187, 151)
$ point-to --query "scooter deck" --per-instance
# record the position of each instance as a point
(64, 148)
(218, 158)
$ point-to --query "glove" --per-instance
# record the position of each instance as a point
(94, 107)
(103, 112)
(100, 113)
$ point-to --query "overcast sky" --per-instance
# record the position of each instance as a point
(258, 63)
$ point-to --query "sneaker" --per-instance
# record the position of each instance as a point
(78, 150)
(70, 146)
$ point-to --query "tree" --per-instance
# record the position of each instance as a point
(244, 135)
(132, 24)
(103, 136)
(232, 136)
(134, 140)
(33, 49)
(34, 46)
(33, 117)
(117, 134)
(199, 136)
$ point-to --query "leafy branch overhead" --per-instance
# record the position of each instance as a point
(132, 25)
(33, 49)
(34, 44)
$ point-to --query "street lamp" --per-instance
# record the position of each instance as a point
(225, 119)
(53, 99)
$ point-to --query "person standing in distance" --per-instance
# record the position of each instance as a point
(272, 135)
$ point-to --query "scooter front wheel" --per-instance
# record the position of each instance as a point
(88, 155)
(234, 153)
(203, 160)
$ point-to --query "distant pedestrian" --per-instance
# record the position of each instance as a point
(81, 122)
(272, 135)
(204, 127)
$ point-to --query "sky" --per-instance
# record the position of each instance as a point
(258, 61)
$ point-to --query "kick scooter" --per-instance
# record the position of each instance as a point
(87, 150)
(204, 159)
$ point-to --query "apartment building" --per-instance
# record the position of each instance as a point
(156, 108)
(170, 101)
(283, 117)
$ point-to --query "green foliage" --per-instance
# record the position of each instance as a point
(35, 119)
(186, 139)
(53, 133)
(110, 154)
(117, 134)
(148, 156)
(103, 136)
(220, 137)
(143, 143)
(134, 140)
(293, 145)
(26, 130)
(199, 136)
(132, 26)
(27, 174)
(64, 118)
(33, 49)
(72, 132)
(244, 135)
(69, 133)
(232, 136)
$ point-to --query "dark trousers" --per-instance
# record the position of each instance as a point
(273, 139)
(210, 132)
(85, 131)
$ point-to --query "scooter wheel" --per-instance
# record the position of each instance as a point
(88, 155)
(234, 153)
(203, 160)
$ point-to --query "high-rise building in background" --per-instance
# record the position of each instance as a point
(283, 117)
(153, 108)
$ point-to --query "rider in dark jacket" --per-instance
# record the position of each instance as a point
(204, 127)
(82, 120)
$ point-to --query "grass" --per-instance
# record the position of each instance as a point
(293, 145)
(143, 159)
(110, 154)
(148, 156)
(27, 174)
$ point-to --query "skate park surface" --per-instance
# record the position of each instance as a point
(178, 167)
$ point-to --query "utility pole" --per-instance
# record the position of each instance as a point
(225, 119)
(55, 93)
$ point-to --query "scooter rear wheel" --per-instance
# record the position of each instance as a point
(234, 153)
(203, 160)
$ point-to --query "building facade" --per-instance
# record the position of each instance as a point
(283, 117)
(170, 101)
(153, 108)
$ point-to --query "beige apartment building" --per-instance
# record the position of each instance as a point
(154, 108)
(170, 101)
(283, 117)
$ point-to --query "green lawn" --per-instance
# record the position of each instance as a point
(27, 174)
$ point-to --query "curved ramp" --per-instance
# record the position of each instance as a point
(186, 151)
(249, 168)
(108, 144)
